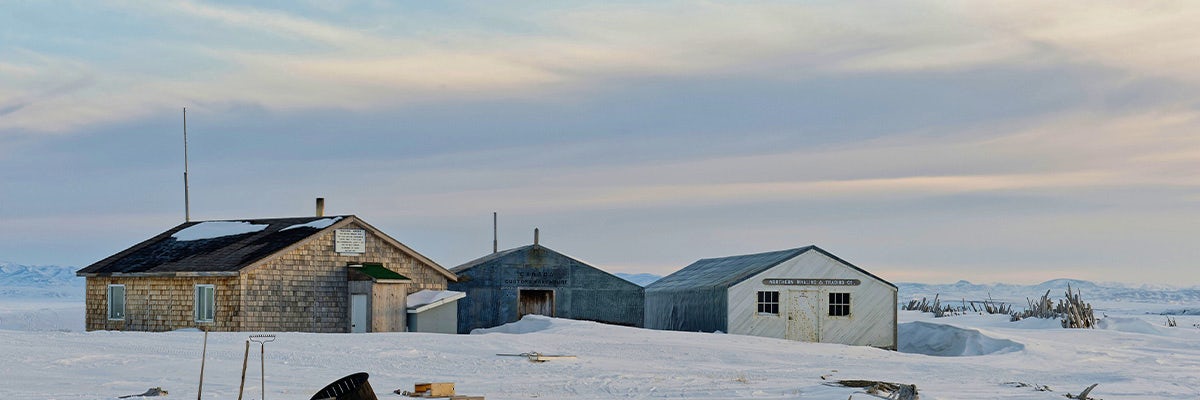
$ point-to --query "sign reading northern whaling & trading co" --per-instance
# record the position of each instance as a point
(811, 282)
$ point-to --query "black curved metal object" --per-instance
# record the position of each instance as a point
(351, 387)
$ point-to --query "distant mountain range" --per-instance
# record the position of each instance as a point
(39, 281)
(1017, 294)
(640, 279)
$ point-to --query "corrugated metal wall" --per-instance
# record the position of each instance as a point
(580, 291)
(686, 309)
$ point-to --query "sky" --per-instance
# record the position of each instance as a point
(929, 141)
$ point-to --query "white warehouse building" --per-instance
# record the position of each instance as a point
(804, 294)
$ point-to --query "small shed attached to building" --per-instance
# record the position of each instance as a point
(306, 274)
(503, 287)
(804, 294)
(434, 311)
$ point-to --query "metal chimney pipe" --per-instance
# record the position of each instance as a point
(535, 236)
(320, 206)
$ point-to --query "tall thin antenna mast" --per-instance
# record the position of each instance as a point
(495, 237)
(187, 206)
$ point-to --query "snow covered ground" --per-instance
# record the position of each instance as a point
(45, 355)
(979, 357)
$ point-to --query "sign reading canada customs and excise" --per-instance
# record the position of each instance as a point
(811, 282)
(537, 278)
(352, 241)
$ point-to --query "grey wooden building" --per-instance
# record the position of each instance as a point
(804, 294)
(308, 274)
(504, 286)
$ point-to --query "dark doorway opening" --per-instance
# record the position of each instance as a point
(535, 301)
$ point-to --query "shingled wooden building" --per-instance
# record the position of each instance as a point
(307, 274)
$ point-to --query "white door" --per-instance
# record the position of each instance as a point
(358, 313)
(802, 322)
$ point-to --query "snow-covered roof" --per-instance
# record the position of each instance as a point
(211, 246)
(317, 224)
(215, 229)
(427, 299)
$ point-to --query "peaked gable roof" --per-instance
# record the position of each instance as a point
(728, 271)
(525, 249)
(225, 247)
(485, 259)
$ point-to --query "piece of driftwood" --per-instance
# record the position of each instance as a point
(935, 307)
(1084, 394)
(1037, 387)
(152, 392)
(887, 390)
(1073, 311)
(1076, 313)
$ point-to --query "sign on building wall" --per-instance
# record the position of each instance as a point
(516, 276)
(350, 241)
(811, 282)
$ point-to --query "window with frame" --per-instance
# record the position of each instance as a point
(839, 304)
(768, 302)
(116, 302)
(206, 296)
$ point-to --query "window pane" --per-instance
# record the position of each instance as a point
(768, 302)
(205, 296)
(839, 304)
(116, 302)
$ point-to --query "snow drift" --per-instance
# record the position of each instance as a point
(1130, 325)
(948, 341)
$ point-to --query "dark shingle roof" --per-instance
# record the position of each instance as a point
(165, 254)
(728, 271)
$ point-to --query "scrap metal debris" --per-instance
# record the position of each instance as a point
(536, 357)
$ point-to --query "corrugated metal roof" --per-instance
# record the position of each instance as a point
(482, 260)
(726, 271)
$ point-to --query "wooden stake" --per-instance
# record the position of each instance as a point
(203, 352)
(245, 357)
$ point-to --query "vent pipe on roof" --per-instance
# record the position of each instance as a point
(535, 236)
(495, 237)
(187, 204)
(320, 206)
